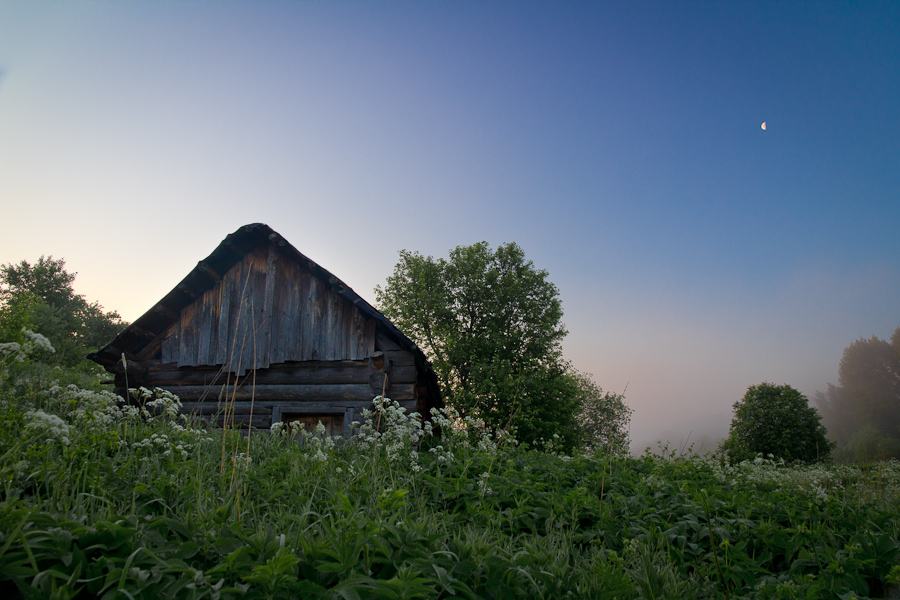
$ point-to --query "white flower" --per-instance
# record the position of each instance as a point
(38, 341)
(49, 424)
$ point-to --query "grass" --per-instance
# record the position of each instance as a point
(110, 502)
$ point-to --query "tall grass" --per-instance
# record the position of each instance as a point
(103, 500)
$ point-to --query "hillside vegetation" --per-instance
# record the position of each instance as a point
(103, 500)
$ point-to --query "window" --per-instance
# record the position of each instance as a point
(336, 420)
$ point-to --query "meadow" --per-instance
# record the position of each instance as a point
(101, 500)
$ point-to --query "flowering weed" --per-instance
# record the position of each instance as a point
(102, 499)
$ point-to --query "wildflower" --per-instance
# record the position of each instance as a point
(36, 341)
(13, 351)
(50, 424)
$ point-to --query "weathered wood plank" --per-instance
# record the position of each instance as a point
(348, 344)
(337, 335)
(235, 318)
(187, 349)
(268, 317)
(308, 309)
(242, 407)
(370, 337)
(235, 281)
(206, 331)
(176, 377)
(332, 342)
(171, 343)
(246, 324)
(339, 392)
(248, 316)
(279, 332)
(384, 343)
(242, 421)
(224, 302)
(258, 357)
(297, 289)
(357, 334)
(152, 348)
(300, 375)
(326, 346)
(320, 349)
(158, 365)
(214, 408)
(401, 357)
(409, 405)
(304, 317)
(293, 318)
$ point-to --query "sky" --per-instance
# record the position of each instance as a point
(618, 143)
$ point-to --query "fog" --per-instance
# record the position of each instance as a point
(683, 362)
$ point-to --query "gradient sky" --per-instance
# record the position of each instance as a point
(618, 143)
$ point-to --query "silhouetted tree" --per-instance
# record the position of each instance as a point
(868, 390)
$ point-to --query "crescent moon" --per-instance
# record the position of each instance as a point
(763, 126)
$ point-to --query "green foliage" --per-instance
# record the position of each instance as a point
(867, 395)
(868, 444)
(16, 317)
(134, 503)
(604, 417)
(491, 323)
(776, 420)
(40, 297)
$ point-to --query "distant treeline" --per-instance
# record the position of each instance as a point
(862, 412)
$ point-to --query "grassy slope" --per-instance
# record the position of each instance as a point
(99, 502)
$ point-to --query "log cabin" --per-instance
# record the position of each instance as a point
(261, 327)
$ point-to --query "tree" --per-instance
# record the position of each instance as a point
(40, 297)
(868, 443)
(868, 390)
(603, 419)
(491, 323)
(777, 420)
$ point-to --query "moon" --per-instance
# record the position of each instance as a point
(763, 126)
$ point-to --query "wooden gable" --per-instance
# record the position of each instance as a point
(266, 309)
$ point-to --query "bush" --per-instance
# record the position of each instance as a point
(777, 420)
(603, 419)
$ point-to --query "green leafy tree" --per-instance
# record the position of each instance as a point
(603, 419)
(868, 392)
(16, 317)
(491, 323)
(40, 297)
(777, 420)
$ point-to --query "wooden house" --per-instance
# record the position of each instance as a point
(259, 325)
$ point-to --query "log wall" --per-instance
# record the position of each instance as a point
(337, 391)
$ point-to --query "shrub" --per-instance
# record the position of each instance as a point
(777, 420)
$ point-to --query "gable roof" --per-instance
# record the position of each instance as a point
(150, 327)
